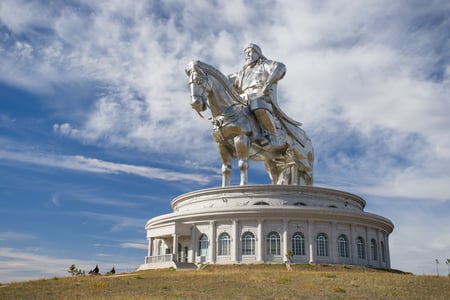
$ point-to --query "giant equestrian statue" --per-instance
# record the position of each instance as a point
(248, 123)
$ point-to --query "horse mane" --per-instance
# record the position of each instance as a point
(222, 79)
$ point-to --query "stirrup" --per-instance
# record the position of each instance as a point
(263, 141)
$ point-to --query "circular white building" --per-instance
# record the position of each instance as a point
(267, 224)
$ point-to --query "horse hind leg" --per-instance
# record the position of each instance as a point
(242, 144)
(272, 171)
(243, 167)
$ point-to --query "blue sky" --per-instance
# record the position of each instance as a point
(97, 134)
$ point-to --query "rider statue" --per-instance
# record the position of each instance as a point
(256, 83)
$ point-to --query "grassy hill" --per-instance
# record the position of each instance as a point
(238, 282)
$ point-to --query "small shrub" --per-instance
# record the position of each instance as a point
(283, 279)
(308, 266)
(339, 290)
(289, 255)
(99, 284)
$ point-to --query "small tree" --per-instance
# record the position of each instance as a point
(289, 255)
(437, 267)
(74, 271)
(447, 262)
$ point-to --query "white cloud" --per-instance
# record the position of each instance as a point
(420, 234)
(117, 222)
(412, 183)
(65, 129)
(84, 164)
(19, 265)
(139, 246)
(6, 120)
(14, 236)
(55, 201)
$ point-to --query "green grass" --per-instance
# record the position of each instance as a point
(238, 282)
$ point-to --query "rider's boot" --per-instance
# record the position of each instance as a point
(265, 120)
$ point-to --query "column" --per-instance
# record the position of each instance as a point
(174, 247)
(212, 242)
(378, 249)
(260, 241)
(311, 242)
(149, 250)
(353, 249)
(387, 252)
(235, 239)
(333, 243)
(368, 252)
(150, 245)
(193, 243)
(285, 240)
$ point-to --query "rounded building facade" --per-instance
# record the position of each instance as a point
(268, 224)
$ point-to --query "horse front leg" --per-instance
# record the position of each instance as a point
(241, 144)
(227, 158)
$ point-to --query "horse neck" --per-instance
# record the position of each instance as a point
(219, 100)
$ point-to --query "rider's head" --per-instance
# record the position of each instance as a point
(252, 53)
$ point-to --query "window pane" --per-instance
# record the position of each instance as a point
(248, 244)
(343, 246)
(298, 244)
(373, 249)
(203, 245)
(224, 245)
(322, 245)
(273, 243)
(360, 247)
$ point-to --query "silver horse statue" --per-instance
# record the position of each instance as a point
(236, 132)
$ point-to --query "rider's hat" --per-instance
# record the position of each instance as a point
(256, 48)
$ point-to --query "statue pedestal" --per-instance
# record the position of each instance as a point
(268, 223)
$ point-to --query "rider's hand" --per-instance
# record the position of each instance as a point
(266, 90)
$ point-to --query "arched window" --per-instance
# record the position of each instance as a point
(373, 249)
(299, 204)
(224, 244)
(322, 245)
(383, 252)
(203, 245)
(361, 248)
(261, 203)
(343, 246)
(248, 243)
(298, 244)
(273, 243)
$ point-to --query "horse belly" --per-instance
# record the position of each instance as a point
(228, 133)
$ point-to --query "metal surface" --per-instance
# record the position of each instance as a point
(246, 131)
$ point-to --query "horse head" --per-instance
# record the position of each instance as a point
(198, 84)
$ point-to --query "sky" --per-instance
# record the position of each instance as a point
(97, 134)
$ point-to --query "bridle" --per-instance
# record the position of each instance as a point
(202, 96)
